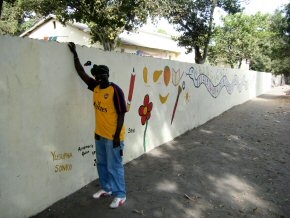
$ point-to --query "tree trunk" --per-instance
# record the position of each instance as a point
(205, 50)
(240, 63)
(287, 79)
(108, 46)
(199, 58)
(103, 37)
(1, 3)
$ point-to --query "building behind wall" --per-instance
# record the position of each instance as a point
(141, 42)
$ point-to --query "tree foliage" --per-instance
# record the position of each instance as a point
(1, 4)
(9, 19)
(263, 39)
(106, 19)
(280, 42)
(17, 16)
(241, 37)
(194, 20)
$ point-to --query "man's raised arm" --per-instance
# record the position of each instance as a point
(79, 68)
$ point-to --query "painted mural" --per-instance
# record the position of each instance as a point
(166, 79)
(167, 75)
(163, 99)
(156, 75)
(214, 83)
(162, 77)
(131, 90)
(176, 77)
(176, 103)
(145, 75)
(145, 114)
(187, 96)
(214, 90)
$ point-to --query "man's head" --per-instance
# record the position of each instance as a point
(100, 72)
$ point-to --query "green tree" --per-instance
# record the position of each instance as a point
(241, 37)
(106, 19)
(16, 17)
(280, 54)
(194, 20)
(9, 19)
(1, 4)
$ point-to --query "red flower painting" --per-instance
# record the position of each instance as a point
(145, 113)
(145, 110)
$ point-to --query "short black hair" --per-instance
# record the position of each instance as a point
(100, 70)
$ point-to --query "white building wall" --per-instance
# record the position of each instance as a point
(63, 33)
(70, 33)
(47, 115)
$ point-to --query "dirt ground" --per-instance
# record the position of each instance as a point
(236, 165)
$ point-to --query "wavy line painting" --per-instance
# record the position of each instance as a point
(214, 90)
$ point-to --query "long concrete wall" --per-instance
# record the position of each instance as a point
(47, 116)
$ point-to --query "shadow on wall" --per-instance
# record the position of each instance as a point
(221, 169)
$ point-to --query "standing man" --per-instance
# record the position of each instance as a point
(110, 109)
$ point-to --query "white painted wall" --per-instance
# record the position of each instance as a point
(46, 110)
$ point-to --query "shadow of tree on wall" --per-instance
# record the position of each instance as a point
(236, 165)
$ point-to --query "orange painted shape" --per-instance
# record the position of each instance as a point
(167, 75)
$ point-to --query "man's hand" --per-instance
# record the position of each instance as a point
(120, 122)
(72, 48)
(116, 141)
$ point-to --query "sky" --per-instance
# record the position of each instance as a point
(254, 6)
(264, 6)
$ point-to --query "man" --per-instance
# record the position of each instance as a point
(110, 109)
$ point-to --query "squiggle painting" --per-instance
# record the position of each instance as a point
(215, 90)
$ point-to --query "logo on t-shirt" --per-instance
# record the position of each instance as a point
(106, 95)
(100, 108)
